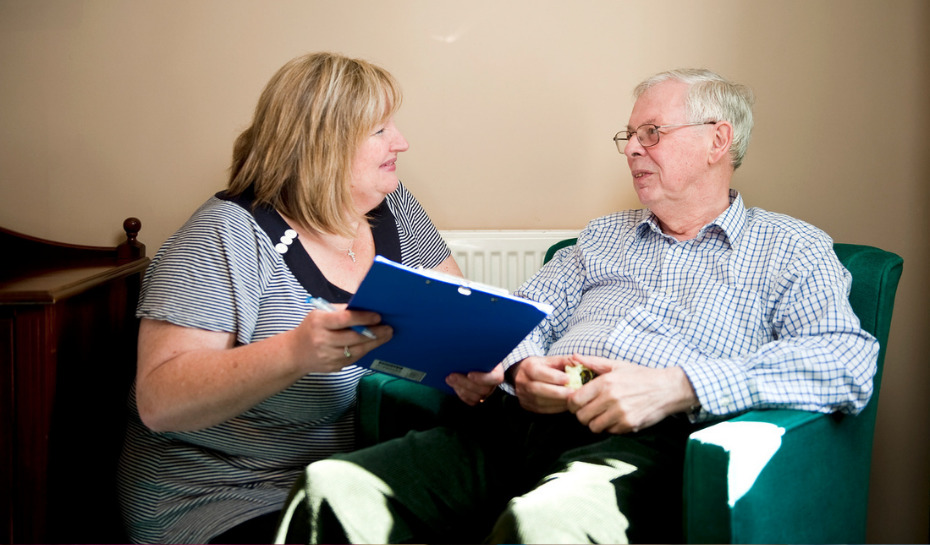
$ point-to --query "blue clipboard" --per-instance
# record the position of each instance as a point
(442, 324)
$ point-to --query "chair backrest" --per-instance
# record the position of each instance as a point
(875, 275)
(558, 246)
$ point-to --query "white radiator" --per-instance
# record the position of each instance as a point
(502, 258)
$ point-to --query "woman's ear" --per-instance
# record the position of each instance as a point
(723, 139)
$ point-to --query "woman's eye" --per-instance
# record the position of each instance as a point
(381, 131)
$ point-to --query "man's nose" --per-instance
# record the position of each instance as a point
(633, 148)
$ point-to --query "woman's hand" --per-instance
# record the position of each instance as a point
(325, 343)
(475, 387)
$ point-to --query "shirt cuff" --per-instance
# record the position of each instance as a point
(523, 350)
(721, 385)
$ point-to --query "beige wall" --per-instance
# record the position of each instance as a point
(115, 108)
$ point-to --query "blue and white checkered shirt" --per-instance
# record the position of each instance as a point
(754, 309)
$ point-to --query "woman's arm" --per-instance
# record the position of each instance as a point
(449, 266)
(191, 379)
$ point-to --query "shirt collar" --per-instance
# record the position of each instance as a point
(730, 223)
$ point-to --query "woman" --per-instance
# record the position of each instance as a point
(240, 382)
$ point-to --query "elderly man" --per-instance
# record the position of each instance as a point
(691, 309)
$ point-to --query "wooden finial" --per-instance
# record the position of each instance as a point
(132, 248)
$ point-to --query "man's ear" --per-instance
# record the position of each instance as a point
(723, 139)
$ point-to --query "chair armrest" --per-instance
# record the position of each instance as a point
(389, 407)
(777, 476)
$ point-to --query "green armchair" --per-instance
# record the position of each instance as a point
(774, 476)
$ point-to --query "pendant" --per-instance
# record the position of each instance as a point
(351, 254)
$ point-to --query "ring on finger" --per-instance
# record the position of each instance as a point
(345, 351)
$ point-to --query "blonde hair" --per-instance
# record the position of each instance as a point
(309, 122)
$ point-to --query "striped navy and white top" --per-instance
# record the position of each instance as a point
(220, 272)
(755, 309)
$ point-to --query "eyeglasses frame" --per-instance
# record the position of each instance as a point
(630, 134)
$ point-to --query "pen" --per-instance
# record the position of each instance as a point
(325, 305)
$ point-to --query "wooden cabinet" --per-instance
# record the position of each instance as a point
(67, 359)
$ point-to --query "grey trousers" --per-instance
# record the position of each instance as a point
(498, 474)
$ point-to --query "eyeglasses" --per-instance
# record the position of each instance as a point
(648, 134)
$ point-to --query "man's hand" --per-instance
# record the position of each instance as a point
(625, 397)
(542, 385)
(475, 387)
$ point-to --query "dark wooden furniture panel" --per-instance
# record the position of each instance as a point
(67, 358)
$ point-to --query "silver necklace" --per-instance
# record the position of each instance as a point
(348, 250)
